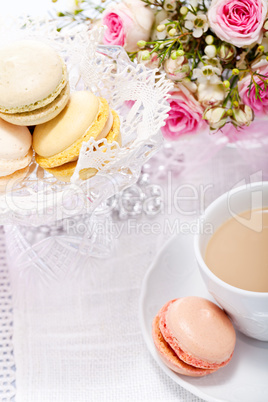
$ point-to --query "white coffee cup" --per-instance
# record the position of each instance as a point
(248, 310)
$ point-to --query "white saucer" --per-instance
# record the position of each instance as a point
(174, 273)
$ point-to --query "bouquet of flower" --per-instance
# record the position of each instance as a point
(214, 51)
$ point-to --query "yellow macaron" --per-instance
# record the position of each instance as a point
(57, 143)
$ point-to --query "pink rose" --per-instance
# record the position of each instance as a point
(259, 106)
(177, 69)
(127, 23)
(238, 22)
(185, 116)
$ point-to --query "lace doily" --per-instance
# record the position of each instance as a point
(137, 94)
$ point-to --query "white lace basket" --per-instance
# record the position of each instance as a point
(136, 93)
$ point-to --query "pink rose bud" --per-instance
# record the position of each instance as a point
(152, 61)
(127, 23)
(226, 52)
(177, 69)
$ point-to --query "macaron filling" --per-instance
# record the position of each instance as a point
(65, 171)
(169, 356)
(42, 114)
(106, 129)
(5, 172)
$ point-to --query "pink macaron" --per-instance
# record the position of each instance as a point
(193, 336)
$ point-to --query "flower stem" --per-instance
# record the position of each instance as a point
(233, 84)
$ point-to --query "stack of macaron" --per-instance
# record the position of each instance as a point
(34, 86)
(34, 92)
(193, 336)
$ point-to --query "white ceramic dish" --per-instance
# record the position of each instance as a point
(247, 309)
(174, 273)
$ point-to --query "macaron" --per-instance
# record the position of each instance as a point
(57, 143)
(193, 336)
(15, 153)
(34, 83)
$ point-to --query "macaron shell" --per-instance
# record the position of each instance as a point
(57, 135)
(170, 358)
(32, 75)
(72, 152)
(7, 183)
(41, 115)
(10, 166)
(200, 332)
(15, 141)
(65, 172)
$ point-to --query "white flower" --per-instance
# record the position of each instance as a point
(170, 5)
(163, 32)
(243, 115)
(161, 18)
(214, 61)
(190, 85)
(210, 94)
(216, 117)
(196, 23)
(207, 73)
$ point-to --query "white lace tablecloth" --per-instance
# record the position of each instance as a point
(78, 338)
(7, 364)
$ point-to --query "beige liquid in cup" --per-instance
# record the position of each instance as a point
(238, 254)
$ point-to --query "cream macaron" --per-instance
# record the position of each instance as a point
(34, 83)
(57, 143)
(15, 152)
